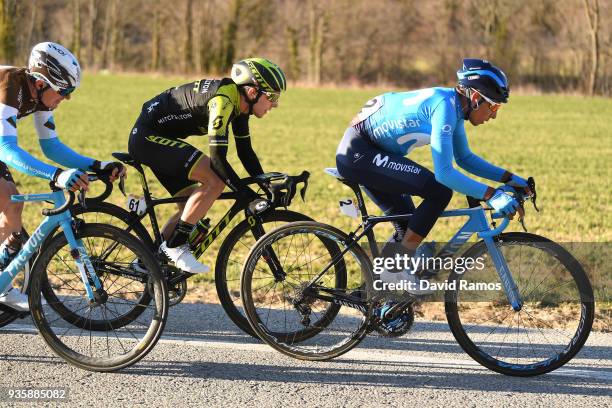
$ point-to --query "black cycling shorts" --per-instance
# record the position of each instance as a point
(5, 172)
(390, 179)
(171, 160)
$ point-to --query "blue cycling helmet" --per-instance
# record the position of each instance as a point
(487, 79)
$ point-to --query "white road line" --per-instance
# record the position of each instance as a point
(371, 355)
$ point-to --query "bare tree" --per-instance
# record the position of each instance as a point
(591, 8)
(155, 37)
(8, 47)
(75, 45)
(188, 45)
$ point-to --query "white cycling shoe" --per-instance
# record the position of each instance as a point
(183, 259)
(16, 300)
(411, 283)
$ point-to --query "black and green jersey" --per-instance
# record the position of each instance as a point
(205, 107)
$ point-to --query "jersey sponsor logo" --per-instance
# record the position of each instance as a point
(165, 141)
(152, 106)
(217, 123)
(381, 161)
(412, 140)
(357, 157)
(447, 128)
(205, 85)
(172, 116)
(190, 159)
(395, 124)
(134, 131)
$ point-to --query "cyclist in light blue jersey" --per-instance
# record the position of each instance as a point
(389, 126)
(53, 73)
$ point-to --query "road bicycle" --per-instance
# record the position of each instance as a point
(278, 188)
(527, 308)
(101, 257)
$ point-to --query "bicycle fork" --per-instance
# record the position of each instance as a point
(95, 292)
(501, 266)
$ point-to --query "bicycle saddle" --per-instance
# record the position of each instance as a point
(129, 160)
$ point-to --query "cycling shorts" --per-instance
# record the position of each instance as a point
(170, 160)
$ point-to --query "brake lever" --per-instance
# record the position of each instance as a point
(122, 185)
(532, 187)
(81, 198)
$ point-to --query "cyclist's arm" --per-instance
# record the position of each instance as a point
(469, 161)
(220, 111)
(443, 123)
(246, 154)
(52, 146)
(12, 154)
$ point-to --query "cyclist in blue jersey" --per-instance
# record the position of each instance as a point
(389, 126)
(53, 73)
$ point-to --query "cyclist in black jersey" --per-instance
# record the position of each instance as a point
(204, 107)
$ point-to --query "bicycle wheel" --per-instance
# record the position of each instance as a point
(120, 344)
(231, 257)
(553, 323)
(109, 214)
(296, 314)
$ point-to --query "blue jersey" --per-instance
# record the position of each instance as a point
(398, 122)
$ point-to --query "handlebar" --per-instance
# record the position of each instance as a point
(108, 189)
(520, 194)
(62, 208)
(283, 192)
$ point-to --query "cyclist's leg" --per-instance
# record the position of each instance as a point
(205, 194)
(10, 221)
(360, 161)
(172, 162)
(170, 224)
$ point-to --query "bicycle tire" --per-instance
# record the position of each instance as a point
(99, 357)
(537, 311)
(229, 295)
(306, 344)
(124, 220)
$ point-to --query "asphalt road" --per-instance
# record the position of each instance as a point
(202, 360)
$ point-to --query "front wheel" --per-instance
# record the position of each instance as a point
(555, 319)
(232, 255)
(76, 337)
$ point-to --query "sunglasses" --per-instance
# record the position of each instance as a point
(493, 107)
(271, 96)
(65, 91)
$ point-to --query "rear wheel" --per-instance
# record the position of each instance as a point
(318, 308)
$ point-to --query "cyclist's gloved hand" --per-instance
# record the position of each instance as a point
(115, 170)
(503, 203)
(71, 179)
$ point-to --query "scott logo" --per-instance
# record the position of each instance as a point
(380, 161)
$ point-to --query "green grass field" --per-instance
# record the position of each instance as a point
(565, 142)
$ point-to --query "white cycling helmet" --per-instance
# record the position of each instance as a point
(55, 65)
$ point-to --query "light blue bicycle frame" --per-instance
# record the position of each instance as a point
(64, 220)
(476, 224)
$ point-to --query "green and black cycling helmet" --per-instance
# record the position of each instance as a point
(260, 73)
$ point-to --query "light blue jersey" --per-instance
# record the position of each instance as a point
(398, 122)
